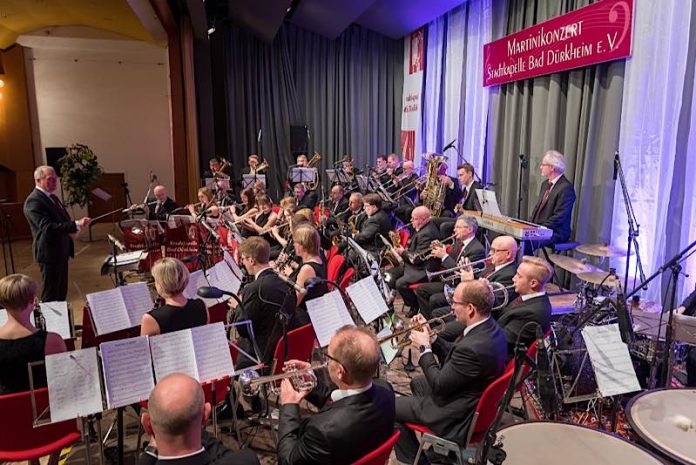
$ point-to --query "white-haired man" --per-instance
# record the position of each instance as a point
(554, 208)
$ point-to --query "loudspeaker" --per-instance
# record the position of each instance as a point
(299, 139)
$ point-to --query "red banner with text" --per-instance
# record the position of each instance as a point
(593, 34)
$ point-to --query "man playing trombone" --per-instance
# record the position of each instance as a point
(454, 374)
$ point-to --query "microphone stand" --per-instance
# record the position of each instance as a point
(459, 157)
(524, 164)
(633, 226)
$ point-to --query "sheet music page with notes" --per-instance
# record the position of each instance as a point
(127, 368)
(138, 301)
(196, 280)
(57, 318)
(234, 267)
(108, 311)
(328, 313)
(73, 384)
(610, 359)
(367, 299)
(225, 278)
(173, 353)
(212, 352)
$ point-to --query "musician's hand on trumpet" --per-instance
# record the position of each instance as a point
(420, 337)
(288, 393)
(438, 250)
(467, 273)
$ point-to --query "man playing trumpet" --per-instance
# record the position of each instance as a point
(454, 374)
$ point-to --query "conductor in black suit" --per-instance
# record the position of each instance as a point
(360, 417)
(377, 224)
(52, 232)
(175, 413)
(532, 303)
(554, 209)
(264, 298)
(454, 374)
(305, 198)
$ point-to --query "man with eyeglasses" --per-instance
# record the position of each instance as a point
(455, 374)
(353, 419)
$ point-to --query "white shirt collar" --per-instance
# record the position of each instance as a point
(527, 297)
(468, 329)
(48, 194)
(256, 275)
(468, 187)
(555, 180)
(500, 267)
(191, 454)
(466, 242)
(339, 394)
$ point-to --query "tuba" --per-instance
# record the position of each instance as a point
(313, 184)
(434, 190)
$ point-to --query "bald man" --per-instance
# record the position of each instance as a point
(415, 262)
(176, 413)
(361, 417)
(163, 205)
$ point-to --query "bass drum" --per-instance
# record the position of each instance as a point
(665, 419)
(550, 442)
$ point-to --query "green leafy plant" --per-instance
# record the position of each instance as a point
(78, 170)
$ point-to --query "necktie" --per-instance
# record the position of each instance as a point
(544, 199)
(487, 271)
(517, 301)
(463, 194)
(460, 247)
(157, 207)
(59, 206)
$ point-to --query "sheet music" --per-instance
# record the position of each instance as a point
(610, 359)
(108, 311)
(328, 313)
(3, 316)
(233, 265)
(57, 318)
(367, 299)
(127, 371)
(127, 258)
(488, 201)
(73, 384)
(388, 352)
(212, 352)
(196, 280)
(137, 300)
(173, 353)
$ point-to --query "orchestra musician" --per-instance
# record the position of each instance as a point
(339, 201)
(252, 162)
(445, 396)
(465, 247)
(248, 210)
(302, 161)
(164, 205)
(532, 303)
(361, 413)
(20, 341)
(263, 298)
(453, 192)
(394, 165)
(376, 224)
(264, 219)
(338, 204)
(288, 207)
(469, 200)
(554, 209)
(406, 188)
(171, 278)
(307, 248)
(206, 204)
(305, 198)
(219, 168)
(416, 261)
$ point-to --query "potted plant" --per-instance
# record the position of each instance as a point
(78, 170)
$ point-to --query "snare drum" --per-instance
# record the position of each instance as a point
(666, 420)
(545, 442)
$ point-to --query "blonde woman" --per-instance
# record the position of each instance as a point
(307, 248)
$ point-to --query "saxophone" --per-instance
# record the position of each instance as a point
(434, 190)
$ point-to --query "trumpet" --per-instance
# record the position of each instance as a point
(495, 287)
(428, 253)
(434, 274)
(399, 344)
(302, 379)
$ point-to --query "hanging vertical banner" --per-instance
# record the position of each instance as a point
(414, 64)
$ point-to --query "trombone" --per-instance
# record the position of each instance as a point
(399, 344)
(434, 274)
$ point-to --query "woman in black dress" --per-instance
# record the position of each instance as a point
(178, 312)
(20, 341)
(307, 248)
(249, 209)
(207, 203)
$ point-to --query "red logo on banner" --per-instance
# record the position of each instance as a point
(594, 34)
(416, 61)
(408, 144)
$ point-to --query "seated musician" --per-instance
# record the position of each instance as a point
(554, 209)
(394, 165)
(338, 200)
(174, 418)
(163, 205)
(21, 342)
(263, 220)
(361, 415)
(532, 303)
(445, 396)
(453, 192)
(416, 261)
(252, 163)
(219, 168)
(177, 313)
(305, 198)
(380, 170)
(248, 210)
(206, 205)
(688, 308)
(376, 224)
(307, 248)
(405, 192)
(352, 219)
(281, 233)
(263, 299)
(259, 189)
(469, 200)
(302, 161)
(464, 247)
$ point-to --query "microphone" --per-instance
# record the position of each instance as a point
(616, 165)
(293, 284)
(116, 242)
(210, 292)
(545, 381)
(449, 146)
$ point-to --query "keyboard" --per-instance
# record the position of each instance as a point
(520, 230)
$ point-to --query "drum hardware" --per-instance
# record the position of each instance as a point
(302, 379)
(602, 250)
(572, 265)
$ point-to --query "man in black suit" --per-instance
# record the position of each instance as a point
(339, 201)
(52, 232)
(416, 261)
(469, 200)
(554, 209)
(264, 298)
(405, 192)
(453, 193)
(163, 207)
(465, 247)
(175, 413)
(361, 417)
(377, 224)
(445, 397)
(304, 197)
(532, 303)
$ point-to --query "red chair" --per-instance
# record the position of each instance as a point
(332, 252)
(218, 312)
(380, 455)
(335, 265)
(403, 235)
(347, 276)
(300, 345)
(19, 440)
(484, 415)
(275, 208)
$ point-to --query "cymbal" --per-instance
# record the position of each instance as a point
(600, 277)
(601, 250)
(571, 264)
